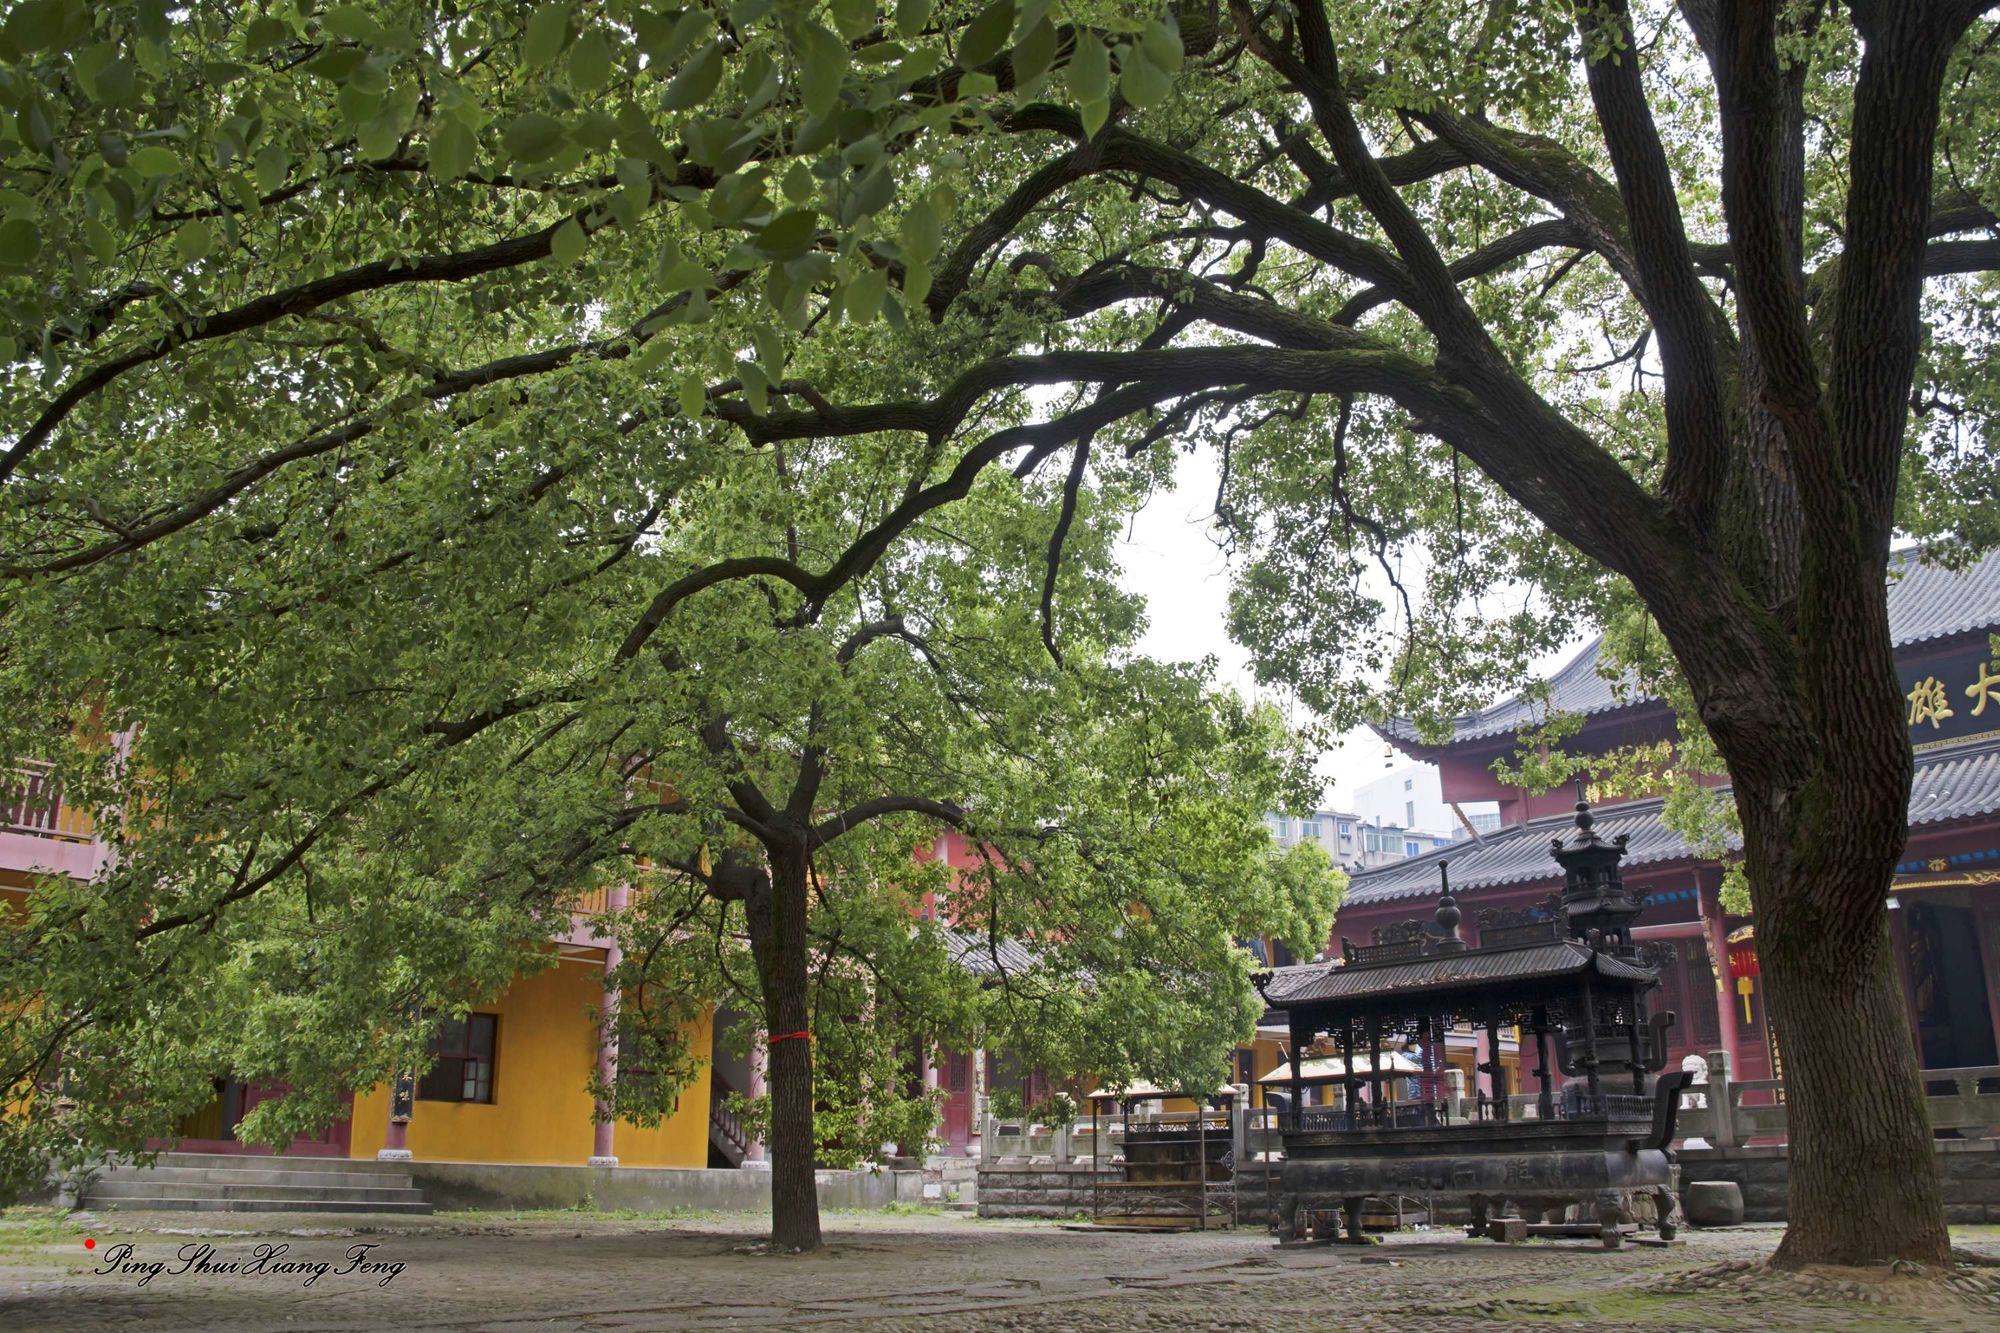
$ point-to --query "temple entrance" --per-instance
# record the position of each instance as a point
(957, 1128)
(211, 1127)
(1941, 958)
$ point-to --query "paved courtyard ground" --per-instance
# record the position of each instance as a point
(903, 1273)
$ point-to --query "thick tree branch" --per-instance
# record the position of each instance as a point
(383, 273)
(1071, 485)
(1876, 328)
(876, 806)
(1697, 427)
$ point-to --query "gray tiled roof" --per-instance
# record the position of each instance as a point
(1578, 688)
(975, 953)
(1926, 601)
(1931, 602)
(1475, 968)
(1949, 784)
(1955, 784)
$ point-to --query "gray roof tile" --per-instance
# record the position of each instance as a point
(1474, 968)
(1926, 601)
(1949, 784)
(973, 952)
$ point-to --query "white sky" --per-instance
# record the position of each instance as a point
(1171, 560)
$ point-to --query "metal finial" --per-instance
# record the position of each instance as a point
(1584, 819)
(1448, 915)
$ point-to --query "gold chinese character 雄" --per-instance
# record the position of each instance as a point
(1928, 702)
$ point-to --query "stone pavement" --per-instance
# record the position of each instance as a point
(583, 1273)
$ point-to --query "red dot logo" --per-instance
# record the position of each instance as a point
(90, 1242)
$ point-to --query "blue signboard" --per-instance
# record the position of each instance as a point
(1952, 700)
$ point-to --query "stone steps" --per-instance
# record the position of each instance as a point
(218, 1182)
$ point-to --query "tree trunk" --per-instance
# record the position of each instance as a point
(1863, 1184)
(778, 939)
(1823, 826)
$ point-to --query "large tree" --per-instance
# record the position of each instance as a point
(269, 271)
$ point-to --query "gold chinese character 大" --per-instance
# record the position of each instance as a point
(1985, 690)
(1928, 702)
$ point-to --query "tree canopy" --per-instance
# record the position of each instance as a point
(404, 389)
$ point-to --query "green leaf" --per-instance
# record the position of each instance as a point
(686, 276)
(788, 234)
(652, 353)
(103, 245)
(986, 34)
(665, 42)
(756, 388)
(156, 162)
(353, 22)
(1143, 83)
(921, 234)
(452, 148)
(338, 64)
(693, 395)
(1161, 41)
(533, 137)
(853, 18)
(273, 165)
(569, 243)
(265, 33)
(1090, 75)
(35, 25)
(382, 132)
(799, 184)
(864, 295)
(822, 62)
(19, 242)
(916, 282)
(912, 15)
(770, 347)
(1033, 55)
(548, 29)
(698, 79)
(192, 241)
(590, 61)
(1095, 113)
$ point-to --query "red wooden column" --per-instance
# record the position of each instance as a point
(1725, 996)
(604, 1128)
(402, 1103)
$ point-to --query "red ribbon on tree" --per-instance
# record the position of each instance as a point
(791, 1036)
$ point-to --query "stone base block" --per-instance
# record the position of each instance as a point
(1713, 1203)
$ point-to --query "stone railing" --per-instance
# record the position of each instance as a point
(1964, 1100)
(1025, 1142)
(1728, 1112)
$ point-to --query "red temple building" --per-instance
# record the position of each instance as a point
(1945, 899)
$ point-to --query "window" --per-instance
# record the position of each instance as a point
(464, 1069)
(1284, 828)
(1406, 783)
(1347, 833)
(1410, 849)
(1309, 829)
(1409, 813)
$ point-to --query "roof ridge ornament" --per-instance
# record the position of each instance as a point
(1448, 915)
